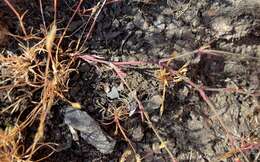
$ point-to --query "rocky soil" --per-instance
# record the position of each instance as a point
(148, 31)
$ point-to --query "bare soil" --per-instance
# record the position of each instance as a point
(148, 31)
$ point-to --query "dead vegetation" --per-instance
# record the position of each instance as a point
(39, 77)
(40, 74)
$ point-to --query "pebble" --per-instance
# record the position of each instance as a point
(171, 30)
(89, 130)
(154, 103)
(113, 94)
(138, 133)
(130, 26)
(222, 25)
(156, 148)
(155, 118)
(116, 23)
(139, 21)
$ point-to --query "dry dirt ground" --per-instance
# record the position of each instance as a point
(214, 44)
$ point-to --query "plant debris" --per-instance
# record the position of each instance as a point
(142, 80)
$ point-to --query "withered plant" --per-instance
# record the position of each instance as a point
(37, 77)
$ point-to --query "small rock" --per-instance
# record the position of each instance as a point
(186, 33)
(159, 20)
(167, 11)
(160, 27)
(195, 22)
(111, 35)
(138, 133)
(155, 118)
(222, 25)
(183, 93)
(171, 3)
(130, 26)
(116, 23)
(139, 34)
(89, 130)
(132, 103)
(113, 94)
(140, 22)
(156, 148)
(171, 30)
(154, 103)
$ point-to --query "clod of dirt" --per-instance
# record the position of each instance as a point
(3, 33)
(89, 130)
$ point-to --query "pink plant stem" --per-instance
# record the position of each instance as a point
(129, 63)
(251, 146)
(119, 72)
(233, 90)
(209, 103)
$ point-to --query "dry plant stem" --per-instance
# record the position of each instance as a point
(84, 11)
(43, 19)
(144, 114)
(93, 24)
(116, 120)
(67, 26)
(120, 74)
(163, 143)
(212, 107)
(248, 147)
(163, 98)
(20, 17)
(55, 10)
(221, 53)
(50, 80)
(48, 90)
(10, 149)
(84, 29)
(200, 89)
(205, 50)
(253, 93)
(257, 156)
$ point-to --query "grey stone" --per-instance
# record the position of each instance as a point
(113, 94)
(89, 130)
(138, 133)
(222, 25)
(139, 21)
(171, 30)
(154, 103)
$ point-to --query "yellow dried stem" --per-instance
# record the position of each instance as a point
(50, 39)
(163, 77)
(163, 143)
(165, 84)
